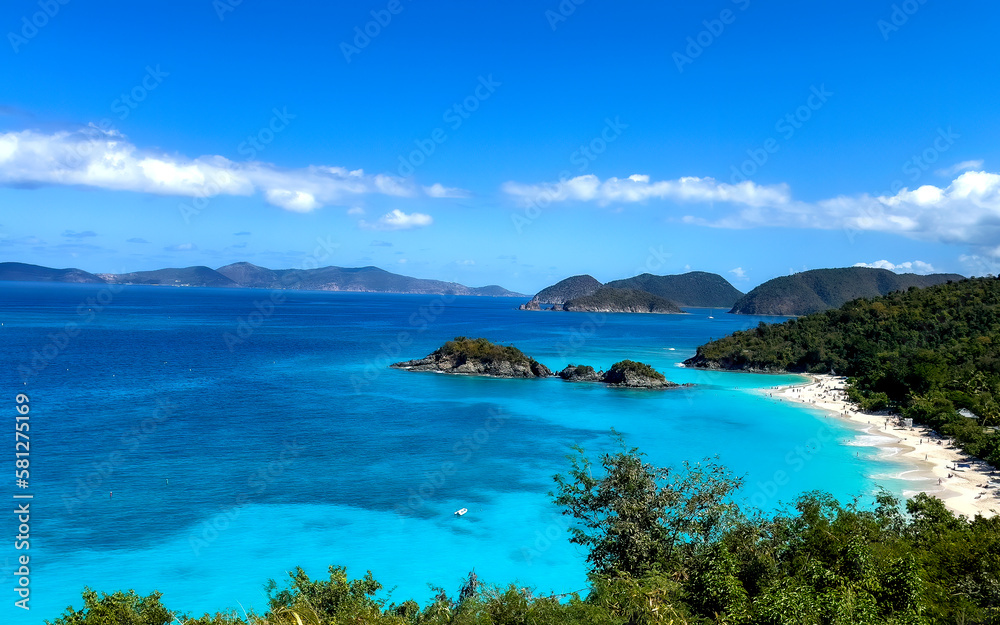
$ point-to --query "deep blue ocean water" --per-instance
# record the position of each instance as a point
(202, 441)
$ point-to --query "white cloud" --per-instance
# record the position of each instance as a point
(965, 211)
(182, 247)
(912, 266)
(960, 167)
(439, 190)
(739, 273)
(107, 160)
(982, 264)
(638, 188)
(297, 201)
(398, 220)
(357, 210)
(466, 262)
(71, 234)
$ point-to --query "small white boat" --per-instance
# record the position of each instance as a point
(461, 511)
(711, 317)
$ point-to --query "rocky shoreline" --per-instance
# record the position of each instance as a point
(700, 362)
(605, 300)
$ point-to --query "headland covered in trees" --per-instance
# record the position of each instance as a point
(928, 355)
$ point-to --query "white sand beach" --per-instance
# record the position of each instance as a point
(940, 468)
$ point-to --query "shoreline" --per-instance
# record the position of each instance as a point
(939, 468)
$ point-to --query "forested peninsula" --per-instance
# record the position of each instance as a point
(931, 354)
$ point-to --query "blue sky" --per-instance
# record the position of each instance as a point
(502, 142)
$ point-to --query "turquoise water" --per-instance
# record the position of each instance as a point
(243, 433)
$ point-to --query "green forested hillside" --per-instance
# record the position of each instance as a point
(360, 279)
(821, 289)
(35, 273)
(189, 276)
(564, 290)
(927, 352)
(695, 288)
(621, 300)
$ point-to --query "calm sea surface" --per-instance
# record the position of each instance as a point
(202, 441)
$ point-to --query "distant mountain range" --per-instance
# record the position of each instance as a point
(822, 289)
(795, 295)
(247, 275)
(662, 293)
(21, 272)
(697, 289)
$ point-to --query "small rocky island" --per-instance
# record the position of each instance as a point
(632, 374)
(611, 300)
(478, 357)
(464, 356)
(622, 301)
(581, 373)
